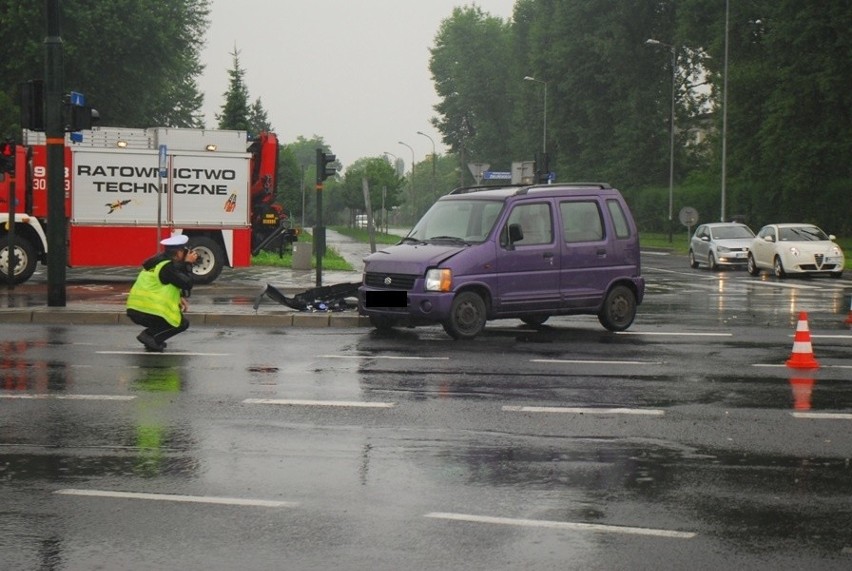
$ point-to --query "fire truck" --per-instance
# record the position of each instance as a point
(126, 189)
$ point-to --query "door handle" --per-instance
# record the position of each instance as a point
(547, 255)
(602, 252)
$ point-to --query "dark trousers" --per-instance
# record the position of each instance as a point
(156, 326)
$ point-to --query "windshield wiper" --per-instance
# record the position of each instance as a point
(411, 239)
(450, 238)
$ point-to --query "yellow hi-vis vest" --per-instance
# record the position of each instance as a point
(150, 295)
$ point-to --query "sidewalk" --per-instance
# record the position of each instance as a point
(96, 296)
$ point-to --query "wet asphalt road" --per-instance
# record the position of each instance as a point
(684, 443)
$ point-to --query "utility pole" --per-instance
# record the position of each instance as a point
(55, 138)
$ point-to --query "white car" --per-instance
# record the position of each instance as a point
(788, 249)
(720, 244)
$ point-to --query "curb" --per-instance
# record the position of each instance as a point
(280, 319)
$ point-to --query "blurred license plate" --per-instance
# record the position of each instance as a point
(389, 298)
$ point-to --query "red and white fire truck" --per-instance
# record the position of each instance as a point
(125, 189)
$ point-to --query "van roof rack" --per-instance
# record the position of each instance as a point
(542, 187)
(469, 189)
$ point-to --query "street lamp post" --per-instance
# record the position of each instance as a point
(433, 160)
(543, 163)
(652, 42)
(725, 115)
(411, 185)
(544, 128)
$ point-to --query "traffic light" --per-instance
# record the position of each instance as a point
(323, 169)
(7, 157)
(32, 105)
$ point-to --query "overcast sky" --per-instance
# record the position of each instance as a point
(355, 72)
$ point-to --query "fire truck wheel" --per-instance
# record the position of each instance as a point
(25, 260)
(211, 258)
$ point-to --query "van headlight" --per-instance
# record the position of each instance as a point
(438, 279)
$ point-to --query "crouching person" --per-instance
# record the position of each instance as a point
(157, 300)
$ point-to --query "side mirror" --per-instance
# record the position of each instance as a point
(832, 237)
(769, 238)
(705, 238)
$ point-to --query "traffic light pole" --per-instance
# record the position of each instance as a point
(323, 172)
(55, 136)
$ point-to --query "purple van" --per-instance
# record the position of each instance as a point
(483, 253)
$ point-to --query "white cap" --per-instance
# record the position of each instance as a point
(175, 240)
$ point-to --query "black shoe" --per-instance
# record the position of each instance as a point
(150, 343)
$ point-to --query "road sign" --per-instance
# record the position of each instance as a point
(164, 165)
(688, 216)
(78, 99)
(497, 175)
(476, 169)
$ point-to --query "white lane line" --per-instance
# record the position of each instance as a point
(593, 362)
(777, 284)
(586, 410)
(389, 357)
(823, 415)
(177, 498)
(175, 353)
(340, 403)
(567, 525)
(66, 397)
(792, 372)
(676, 333)
(813, 336)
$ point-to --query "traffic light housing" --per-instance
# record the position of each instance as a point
(324, 170)
(32, 105)
(7, 157)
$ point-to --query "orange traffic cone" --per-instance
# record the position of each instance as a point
(802, 389)
(849, 317)
(803, 353)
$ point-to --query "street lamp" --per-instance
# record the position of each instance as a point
(725, 115)
(411, 190)
(433, 160)
(652, 42)
(544, 129)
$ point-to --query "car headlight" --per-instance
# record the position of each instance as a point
(438, 279)
(794, 251)
(835, 251)
(723, 249)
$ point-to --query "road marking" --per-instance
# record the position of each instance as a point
(389, 357)
(784, 365)
(829, 336)
(567, 525)
(778, 284)
(181, 353)
(677, 333)
(823, 415)
(340, 403)
(592, 362)
(67, 397)
(177, 498)
(586, 410)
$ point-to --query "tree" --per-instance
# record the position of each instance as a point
(258, 118)
(236, 113)
(380, 176)
(474, 76)
(136, 62)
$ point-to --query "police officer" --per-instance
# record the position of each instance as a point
(157, 299)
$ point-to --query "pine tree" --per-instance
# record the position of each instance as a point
(258, 118)
(236, 113)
